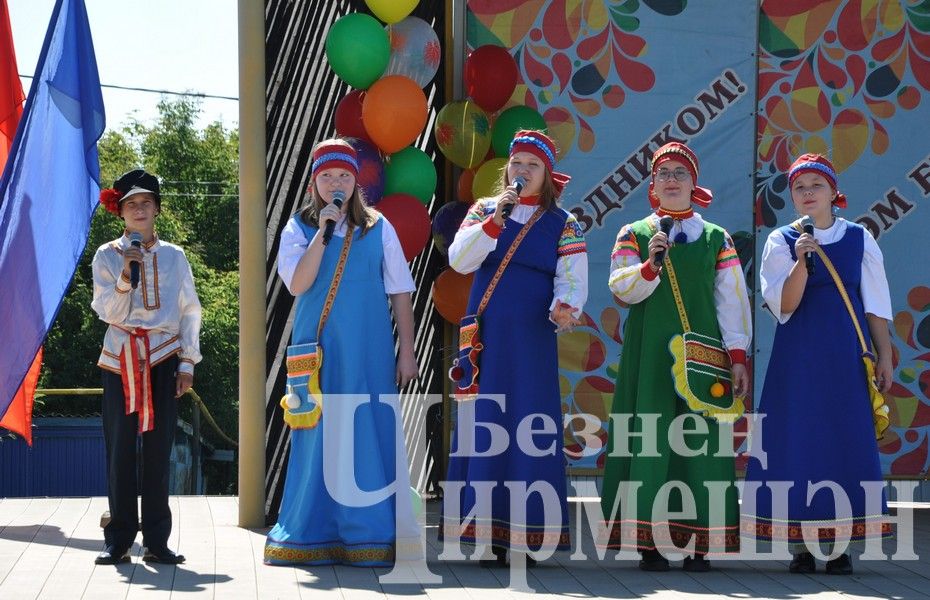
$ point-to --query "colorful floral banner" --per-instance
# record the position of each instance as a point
(749, 88)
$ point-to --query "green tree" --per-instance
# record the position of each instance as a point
(199, 173)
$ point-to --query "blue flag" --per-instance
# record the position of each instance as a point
(49, 191)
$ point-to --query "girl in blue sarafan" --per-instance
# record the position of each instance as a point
(340, 449)
(540, 292)
(819, 425)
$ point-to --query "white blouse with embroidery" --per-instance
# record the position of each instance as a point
(731, 299)
(397, 277)
(777, 264)
(472, 244)
(165, 303)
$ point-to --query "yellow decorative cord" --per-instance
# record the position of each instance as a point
(676, 293)
(880, 410)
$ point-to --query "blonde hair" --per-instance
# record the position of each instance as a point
(358, 213)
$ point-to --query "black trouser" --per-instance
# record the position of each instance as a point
(120, 432)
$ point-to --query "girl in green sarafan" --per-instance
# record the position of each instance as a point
(682, 279)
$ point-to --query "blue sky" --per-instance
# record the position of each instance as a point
(176, 45)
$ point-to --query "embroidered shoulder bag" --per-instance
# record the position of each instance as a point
(303, 403)
(701, 367)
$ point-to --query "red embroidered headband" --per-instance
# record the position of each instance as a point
(685, 155)
(541, 146)
(332, 156)
(536, 143)
(821, 165)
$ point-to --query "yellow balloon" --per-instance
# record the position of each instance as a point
(488, 178)
(391, 11)
(463, 133)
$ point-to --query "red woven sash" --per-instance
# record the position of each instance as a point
(136, 372)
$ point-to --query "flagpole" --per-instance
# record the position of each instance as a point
(252, 255)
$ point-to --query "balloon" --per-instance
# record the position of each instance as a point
(410, 171)
(488, 178)
(410, 219)
(415, 50)
(391, 11)
(370, 170)
(463, 187)
(394, 112)
(450, 294)
(349, 116)
(447, 222)
(490, 76)
(509, 122)
(358, 49)
(463, 133)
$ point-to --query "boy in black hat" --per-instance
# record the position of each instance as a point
(143, 287)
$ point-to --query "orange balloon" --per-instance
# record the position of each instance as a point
(450, 294)
(463, 188)
(394, 112)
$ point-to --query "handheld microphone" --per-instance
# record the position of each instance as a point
(518, 183)
(338, 197)
(808, 225)
(665, 226)
(135, 239)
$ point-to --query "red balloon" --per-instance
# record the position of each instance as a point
(490, 77)
(450, 294)
(349, 116)
(410, 219)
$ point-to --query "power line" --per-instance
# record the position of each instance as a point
(201, 182)
(182, 195)
(152, 91)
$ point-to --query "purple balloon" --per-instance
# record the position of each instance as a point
(447, 222)
(370, 170)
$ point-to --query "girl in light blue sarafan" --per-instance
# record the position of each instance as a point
(344, 451)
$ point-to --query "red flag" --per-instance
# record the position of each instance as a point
(11, 88)
(18, 417)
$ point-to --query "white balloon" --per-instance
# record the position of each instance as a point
(415, 50)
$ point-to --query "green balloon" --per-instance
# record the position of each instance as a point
(509, 122)
(410, 171)
(358, 49)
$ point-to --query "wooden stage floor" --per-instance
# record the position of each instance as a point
(48, 545)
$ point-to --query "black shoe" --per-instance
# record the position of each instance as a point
(112, 556)
(499, 560)
(162, 556)
(803, 563)
(653, 561)
(842, 565)
(698, 564)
